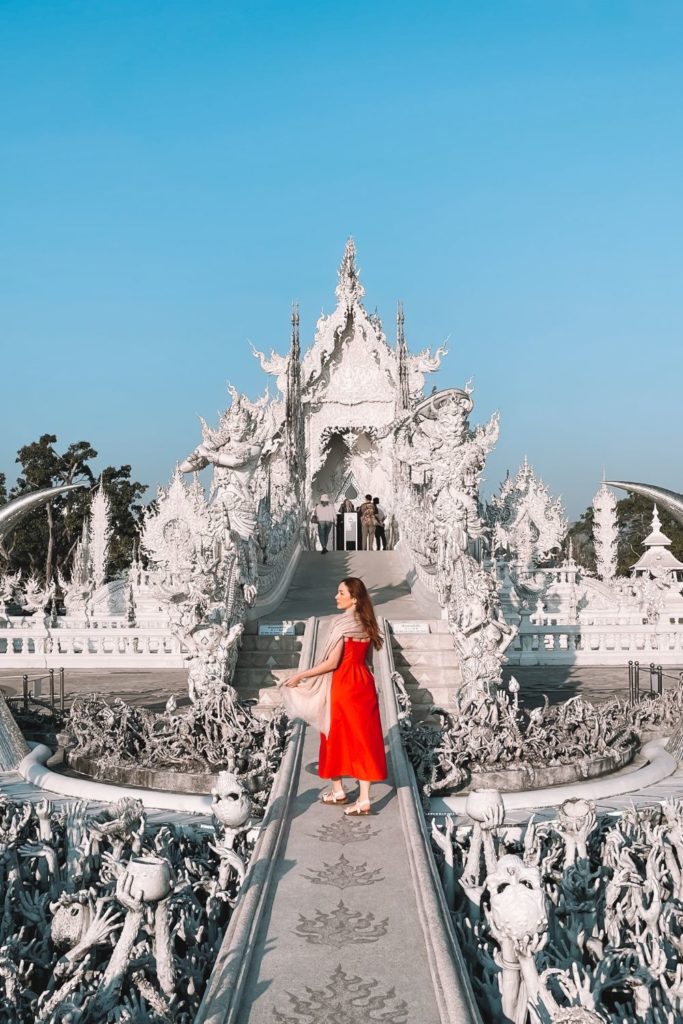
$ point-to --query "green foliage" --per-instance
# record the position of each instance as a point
(580, 534)
(634, 522)
(634, 517)
(44, 542)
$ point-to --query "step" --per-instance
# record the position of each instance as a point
(422, 642)
(270, 643)
(268, 659)
(437, 659)
(251, 628)
(253, 678)
(421, 675)
(437, 627)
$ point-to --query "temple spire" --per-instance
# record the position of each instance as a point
(295, 351)
(293, 410)
(402, 361)
(349, 289)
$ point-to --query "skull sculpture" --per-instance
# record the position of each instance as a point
(71, 918)
(231, 804)
(517, 900)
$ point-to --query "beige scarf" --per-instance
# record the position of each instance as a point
(310, 700)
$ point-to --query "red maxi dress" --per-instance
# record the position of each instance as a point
(355, 744)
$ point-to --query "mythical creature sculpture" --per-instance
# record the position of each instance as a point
(440, 460)
(482, 634)
(233, 450)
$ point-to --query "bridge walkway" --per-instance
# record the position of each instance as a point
(343, 931)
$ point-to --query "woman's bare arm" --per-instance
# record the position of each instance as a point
(329, 665)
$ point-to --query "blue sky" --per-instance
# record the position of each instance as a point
(173, 174)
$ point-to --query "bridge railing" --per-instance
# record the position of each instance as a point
(452, 986)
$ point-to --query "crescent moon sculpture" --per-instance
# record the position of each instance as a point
(14, 511)
(669, 500)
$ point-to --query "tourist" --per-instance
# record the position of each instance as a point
(367, 522)
(339, 698)
(346, 506)
(324, 517)
(380, 518)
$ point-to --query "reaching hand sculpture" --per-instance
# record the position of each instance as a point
(101, 914)
(585, 928)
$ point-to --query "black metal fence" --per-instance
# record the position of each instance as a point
(656, 680)
(53, 701)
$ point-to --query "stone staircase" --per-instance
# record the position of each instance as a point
(428, 663)
(264, 661)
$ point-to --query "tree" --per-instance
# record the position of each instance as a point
(634, 516)
(126, 515)
(45, 541)
(634, 520)
(580, 534)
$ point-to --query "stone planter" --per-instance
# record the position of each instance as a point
(169, 779)
(515, 780)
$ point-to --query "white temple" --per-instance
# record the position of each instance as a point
(657, 562)
(350, 418)
(354, 386)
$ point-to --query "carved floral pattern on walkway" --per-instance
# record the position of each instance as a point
(346, 999)
(344, 874)
(341, 927)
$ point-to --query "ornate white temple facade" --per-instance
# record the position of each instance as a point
(350, 417)
(354, 387)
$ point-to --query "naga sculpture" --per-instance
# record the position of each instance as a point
(15, 510)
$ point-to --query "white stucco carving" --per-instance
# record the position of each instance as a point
(99, 535)
(440, 460)
(605, 533)
(526, 519)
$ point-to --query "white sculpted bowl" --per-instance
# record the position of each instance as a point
(482, 801)
(152, 877)
(575, 808)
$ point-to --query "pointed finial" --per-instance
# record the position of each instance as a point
(656, 521)
(349, 289)
(295, 330)
(402, 361)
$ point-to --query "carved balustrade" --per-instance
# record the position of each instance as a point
(539, 644)
(128, 646)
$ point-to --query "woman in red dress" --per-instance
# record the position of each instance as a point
(354, 745)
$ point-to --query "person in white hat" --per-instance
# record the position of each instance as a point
(325, 517)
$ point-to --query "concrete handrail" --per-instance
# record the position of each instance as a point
(221, 1002)
(452, 987)
(268, 600)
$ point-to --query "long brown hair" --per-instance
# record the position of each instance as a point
(364, 609)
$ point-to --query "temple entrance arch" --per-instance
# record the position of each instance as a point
(353, 464)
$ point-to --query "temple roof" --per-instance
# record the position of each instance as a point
(656, 538)
(656, 557)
